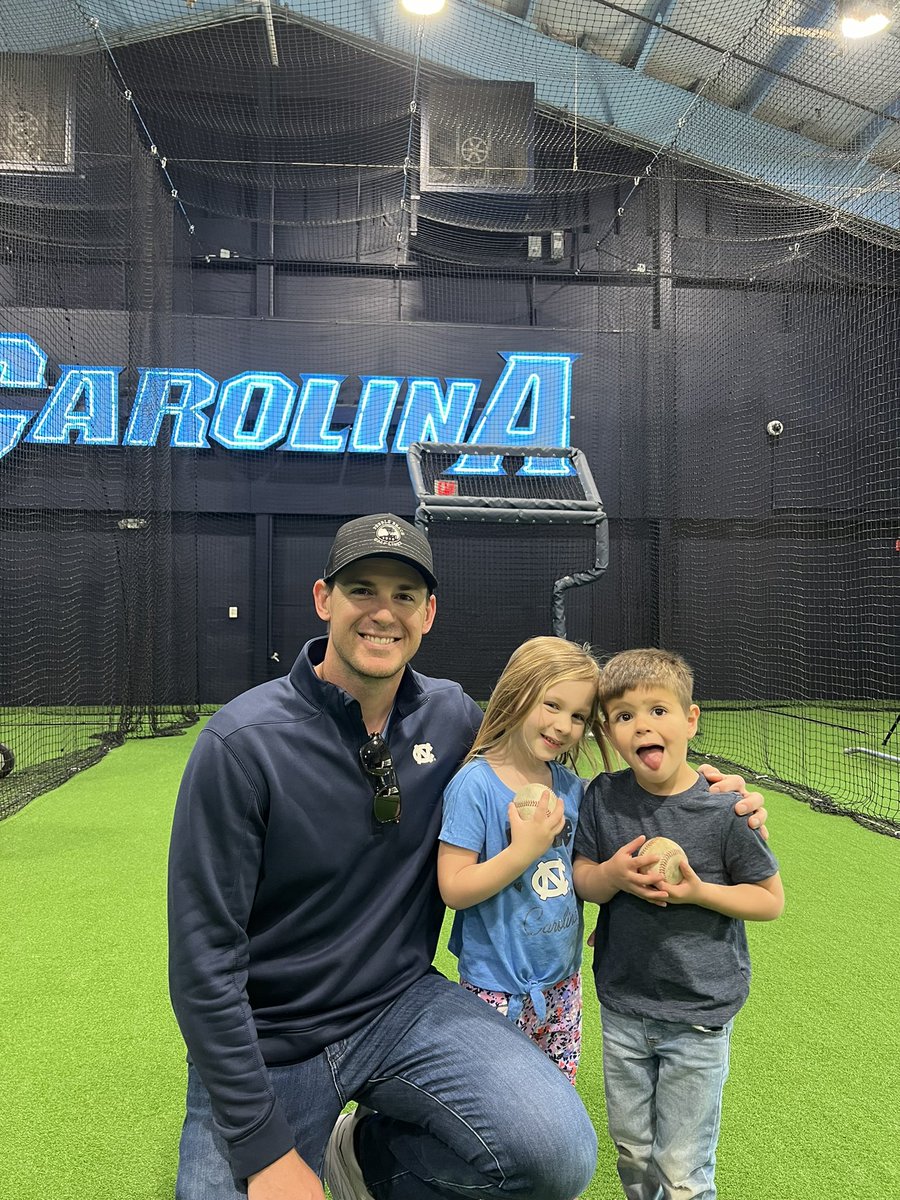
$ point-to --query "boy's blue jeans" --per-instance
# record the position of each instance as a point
(466, 1106)
(663, 1083)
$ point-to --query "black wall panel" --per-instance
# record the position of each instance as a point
(223, 546)
(299, 550)
(703, 503)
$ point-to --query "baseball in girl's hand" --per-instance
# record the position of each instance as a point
(528, 798)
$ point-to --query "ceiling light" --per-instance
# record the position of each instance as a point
(422, 8)
(861, 20)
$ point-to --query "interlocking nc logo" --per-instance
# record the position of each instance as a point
(549, 879)
(423, 754)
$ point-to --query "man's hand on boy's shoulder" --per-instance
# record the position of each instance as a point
(751, 803)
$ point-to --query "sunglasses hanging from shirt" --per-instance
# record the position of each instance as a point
(375, 759)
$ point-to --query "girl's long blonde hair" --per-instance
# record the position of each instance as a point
(534, 667)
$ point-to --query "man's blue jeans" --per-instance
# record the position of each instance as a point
(466, 1106)
(663, 1085)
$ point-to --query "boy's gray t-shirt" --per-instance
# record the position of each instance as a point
(682, 962)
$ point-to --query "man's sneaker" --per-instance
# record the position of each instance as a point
(342, 1171)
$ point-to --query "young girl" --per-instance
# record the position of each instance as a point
(518, 927)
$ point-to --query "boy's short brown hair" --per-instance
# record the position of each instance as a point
(642, 669)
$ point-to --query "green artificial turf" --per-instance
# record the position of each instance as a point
(829, 750)
(40, 734)
(91, 1062)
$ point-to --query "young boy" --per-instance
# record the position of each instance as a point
(671, 962)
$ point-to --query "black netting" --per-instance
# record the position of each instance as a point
(530, 528)
(698, 207)
(496, 589)
(98, 632)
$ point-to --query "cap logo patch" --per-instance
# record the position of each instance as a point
(388, 533)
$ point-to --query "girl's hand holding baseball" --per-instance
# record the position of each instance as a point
(534, 837)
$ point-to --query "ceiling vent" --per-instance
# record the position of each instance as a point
(35, 115)
(477, 136)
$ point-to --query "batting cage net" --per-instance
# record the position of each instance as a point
(99, 633)
(516, 534)
(691, 210)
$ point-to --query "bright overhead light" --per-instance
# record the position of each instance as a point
(863, 19)
(422, 8)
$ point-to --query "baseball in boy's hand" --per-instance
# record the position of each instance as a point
(528, 798)
(670, 855)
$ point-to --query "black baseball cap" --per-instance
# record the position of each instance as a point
(381, 536)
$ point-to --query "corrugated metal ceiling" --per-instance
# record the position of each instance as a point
(766, 90)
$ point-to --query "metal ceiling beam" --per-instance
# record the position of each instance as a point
(660, 16)
(814, 15)
(465, 38)
(270, 32)
(70, 29)
(475, 40)
(868, 138)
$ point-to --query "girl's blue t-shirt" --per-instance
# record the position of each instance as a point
(529, 935)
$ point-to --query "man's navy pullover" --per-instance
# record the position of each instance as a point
(293, 917)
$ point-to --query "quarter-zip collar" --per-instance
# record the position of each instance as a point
(333, 699)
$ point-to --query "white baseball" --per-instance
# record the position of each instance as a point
(670, 856)
(530, 796)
